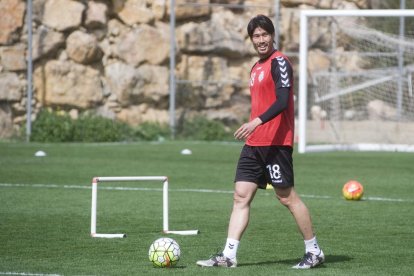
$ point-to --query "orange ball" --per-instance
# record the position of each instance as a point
(353, 190)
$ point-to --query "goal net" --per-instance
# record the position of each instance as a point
(356, 80)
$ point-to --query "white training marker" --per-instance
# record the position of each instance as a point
(40, 153)
(186, 152)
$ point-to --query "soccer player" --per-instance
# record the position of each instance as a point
(267, 154)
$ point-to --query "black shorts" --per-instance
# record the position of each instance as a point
(266, 165)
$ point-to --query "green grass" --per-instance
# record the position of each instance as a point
(44, 229)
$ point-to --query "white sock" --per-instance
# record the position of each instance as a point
(230, 250)
(312, 246)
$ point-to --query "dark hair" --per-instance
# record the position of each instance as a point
(261, 21)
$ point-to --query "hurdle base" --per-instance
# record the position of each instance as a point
(183, 232)
(108, 236)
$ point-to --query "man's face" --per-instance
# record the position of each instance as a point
(262, 42)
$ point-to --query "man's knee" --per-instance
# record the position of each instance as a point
(285, 201)
(244, 192)
(286, 196)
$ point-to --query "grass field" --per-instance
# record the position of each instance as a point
(45, 207)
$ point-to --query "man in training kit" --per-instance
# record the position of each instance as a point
(267, 155)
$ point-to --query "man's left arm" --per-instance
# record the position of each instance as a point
(282, 75)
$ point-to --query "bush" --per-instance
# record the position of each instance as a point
(152, 131)
(51, 126)
(90, 128)
(54, 126)
(200, 128)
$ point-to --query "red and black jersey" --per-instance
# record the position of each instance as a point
(271, 79)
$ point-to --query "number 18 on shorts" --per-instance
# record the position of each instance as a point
(266, 164)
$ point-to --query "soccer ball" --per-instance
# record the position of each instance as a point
(164, 252)
(353, 190)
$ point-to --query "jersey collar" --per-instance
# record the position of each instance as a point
(262, 60)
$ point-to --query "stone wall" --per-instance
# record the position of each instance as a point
(112, 57)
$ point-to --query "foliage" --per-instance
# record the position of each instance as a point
(89, 128)
(58, 126)
(148, 131)
(51, 126)
(200, 128)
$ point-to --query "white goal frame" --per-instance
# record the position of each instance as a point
(303, 81)
(163, 179)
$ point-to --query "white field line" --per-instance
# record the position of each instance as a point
(27, 274)
(118, 188)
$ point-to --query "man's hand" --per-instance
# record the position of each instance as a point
(246, 129)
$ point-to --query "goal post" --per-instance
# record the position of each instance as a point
(165, 215)
(356, 76)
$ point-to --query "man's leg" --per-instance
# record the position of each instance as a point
(313, 254)
(244, 193)
(289, 198)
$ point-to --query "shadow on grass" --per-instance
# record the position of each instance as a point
(328, 259)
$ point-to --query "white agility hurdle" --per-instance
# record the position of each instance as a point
(164, 179)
